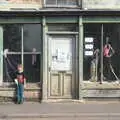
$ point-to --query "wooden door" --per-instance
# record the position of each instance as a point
(61, 63)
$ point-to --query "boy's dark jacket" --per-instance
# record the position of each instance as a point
(20, 77)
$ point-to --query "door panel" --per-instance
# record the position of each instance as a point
(55, 84)
(67, 84)
(61, 82)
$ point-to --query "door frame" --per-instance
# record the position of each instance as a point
(75, 72)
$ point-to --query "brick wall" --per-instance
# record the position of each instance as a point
(9, 94)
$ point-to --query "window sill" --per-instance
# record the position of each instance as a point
(29, 86)
(104, 85)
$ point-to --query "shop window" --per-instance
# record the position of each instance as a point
(101, 52)
(32, 49)
(32, 37)
(92, 43)
(10, 67)
(12, 37)
(111, 65)
(22, 45)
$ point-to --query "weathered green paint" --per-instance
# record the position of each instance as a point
(62, 19)
(61, 33)
(44, 62)
(101, 54)
(101, 19)
(10, 20)
(1, 55)
(80, 57)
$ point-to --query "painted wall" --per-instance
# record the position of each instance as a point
(25, 4)
(101, 4)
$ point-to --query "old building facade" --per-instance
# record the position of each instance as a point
(61, 46)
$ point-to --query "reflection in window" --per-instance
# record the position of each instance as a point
(10, 67)
(32, 37)
(12, 37)
(111, 66)
(32, 68)
(92, 63)
(92, 37)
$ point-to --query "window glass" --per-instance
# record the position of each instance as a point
(92, 43)
(32, 44)
(51, 2)
(32, 37)
(12, 37)
(67, 2)
(61, 2)
(10, 67)
(12, 49)
(111, 64)
(32, 67)
(92, 52)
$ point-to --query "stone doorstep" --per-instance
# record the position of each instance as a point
(60, 115)
(63, 101)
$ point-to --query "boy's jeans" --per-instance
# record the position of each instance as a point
(20, 90)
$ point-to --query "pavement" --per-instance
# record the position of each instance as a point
(61, 109)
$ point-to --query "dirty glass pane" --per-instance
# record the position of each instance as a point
(10, 67)
(32, 67)
(111, 66)
(51, 2)
(12, 37)
(67, 2)
(32, 37)
(61, 2)
(92, 43)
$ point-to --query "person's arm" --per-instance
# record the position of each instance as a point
(16, 80)
(112, 49)
(24, 81)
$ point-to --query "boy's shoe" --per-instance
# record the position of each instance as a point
(18, 102)
(21, 101)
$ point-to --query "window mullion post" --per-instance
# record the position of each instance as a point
(22, 47)
(101, 61)
(1, 55)
(80, 58)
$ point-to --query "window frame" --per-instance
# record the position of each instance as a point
(22, 53)
(78, 4)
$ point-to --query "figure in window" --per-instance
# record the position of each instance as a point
(108, 52)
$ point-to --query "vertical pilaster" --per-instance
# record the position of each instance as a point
(80, 57)
(44, 61)
(1, 55)
(101, 70)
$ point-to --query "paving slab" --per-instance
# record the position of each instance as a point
(66, 110)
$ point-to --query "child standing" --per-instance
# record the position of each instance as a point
(20, 82)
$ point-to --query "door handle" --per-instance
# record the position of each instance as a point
(49, 68)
